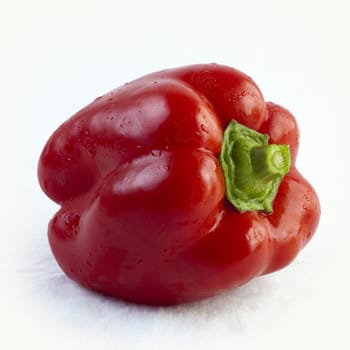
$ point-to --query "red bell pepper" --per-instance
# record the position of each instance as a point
(177, 186)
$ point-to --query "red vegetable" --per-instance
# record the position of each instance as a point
(159, 205)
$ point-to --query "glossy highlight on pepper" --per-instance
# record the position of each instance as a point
(158, 206)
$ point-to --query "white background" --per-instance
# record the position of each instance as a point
(57, 56)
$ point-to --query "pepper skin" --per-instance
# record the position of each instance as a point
(144, 216)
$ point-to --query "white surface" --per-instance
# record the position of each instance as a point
(58, 56)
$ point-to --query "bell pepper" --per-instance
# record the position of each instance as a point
(177, 186)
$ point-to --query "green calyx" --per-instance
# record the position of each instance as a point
(253, 169)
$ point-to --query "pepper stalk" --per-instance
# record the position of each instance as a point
(253, 169)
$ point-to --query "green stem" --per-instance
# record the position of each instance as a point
(270, 161)
(252, 168)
